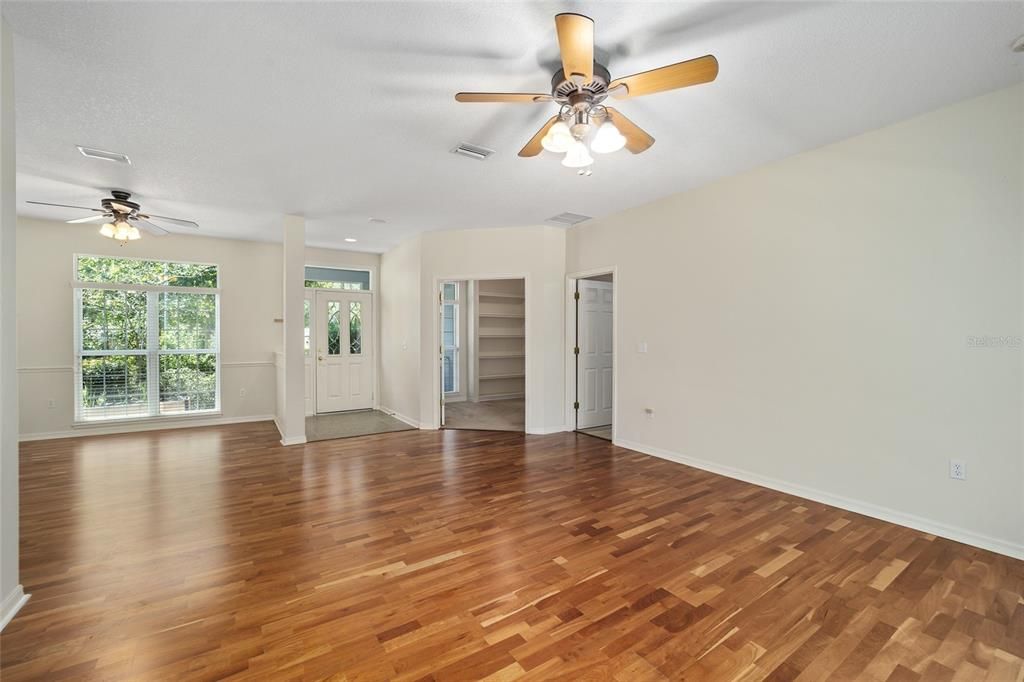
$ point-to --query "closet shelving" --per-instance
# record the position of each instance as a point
(501, 326)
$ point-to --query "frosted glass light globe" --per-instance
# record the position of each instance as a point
(608, 139)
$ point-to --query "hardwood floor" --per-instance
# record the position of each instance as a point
(215, 553)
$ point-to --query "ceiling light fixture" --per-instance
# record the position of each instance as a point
(608, 139)
(558, 139)
(120, 230)
(577, 156)
(1018, 45)
(350, 240)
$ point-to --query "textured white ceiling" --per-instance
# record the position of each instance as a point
(236, 113)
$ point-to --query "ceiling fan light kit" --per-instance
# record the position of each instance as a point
(582, 85)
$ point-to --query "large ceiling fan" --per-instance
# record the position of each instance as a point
(123, 217)
(582, 85)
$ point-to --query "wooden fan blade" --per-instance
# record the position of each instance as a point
(517, 97)
(576, 42)
(173, 221)
(154, 230)
(81, 208)
(637, 139)
(693, 72)
(89, 219)
(533, 147)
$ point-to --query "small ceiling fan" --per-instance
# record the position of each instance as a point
(123, 217)
(582, 85)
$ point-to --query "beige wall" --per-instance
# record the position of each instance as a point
(411, 274)
(536, 253)
(250, 277)
(400, 330)
(809, 323)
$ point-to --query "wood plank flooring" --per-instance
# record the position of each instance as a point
(215, 553)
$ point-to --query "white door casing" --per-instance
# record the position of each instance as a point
(344, 351)
(310, 367)
(594, 361)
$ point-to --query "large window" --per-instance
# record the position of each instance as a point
(146, 338)
(450, 336)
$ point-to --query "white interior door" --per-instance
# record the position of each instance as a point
(594, 361)
(309, 321)
(344, 351)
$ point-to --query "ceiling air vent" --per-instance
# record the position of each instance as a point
(567, 219)
(473, 151)
(104, 155)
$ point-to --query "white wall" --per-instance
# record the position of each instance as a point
(809, 323)
(400, 330)
(11, 597)
(536, 253)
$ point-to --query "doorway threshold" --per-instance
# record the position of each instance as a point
(602, 432)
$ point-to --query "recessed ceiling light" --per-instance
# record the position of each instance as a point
(350, 240)
(1018, 45)
(377, 220)
(103, 155)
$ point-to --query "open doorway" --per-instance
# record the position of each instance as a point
(483, 354)
(594, 353)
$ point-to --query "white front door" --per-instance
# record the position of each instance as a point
(344, 351)
(594, 361)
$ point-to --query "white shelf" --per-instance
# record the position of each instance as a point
(500, 356)
(503, 336)
(519, 375)
(503, 315)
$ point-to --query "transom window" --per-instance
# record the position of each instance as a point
(337, 278)
(147, 338)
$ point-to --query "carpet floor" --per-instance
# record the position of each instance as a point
(348, 424)
(492, 415)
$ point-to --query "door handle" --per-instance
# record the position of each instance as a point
(320, 358)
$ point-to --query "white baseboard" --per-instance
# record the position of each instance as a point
(401, 417)
(11, 605)
(148, 425)
(866, 508)
(545, 430)
(294, 440)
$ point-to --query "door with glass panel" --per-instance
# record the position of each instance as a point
(344, 351)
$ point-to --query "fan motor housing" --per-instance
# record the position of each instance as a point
(119, 202)
(565, 91)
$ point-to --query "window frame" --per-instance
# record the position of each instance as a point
(152, 352)
(456, 304)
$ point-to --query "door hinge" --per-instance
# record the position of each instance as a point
(576, 295)
(576, 350)
(576, 405)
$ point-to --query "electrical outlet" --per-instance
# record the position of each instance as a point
(649, 411)
(51, 403)
(957, 469)
(241, 392)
